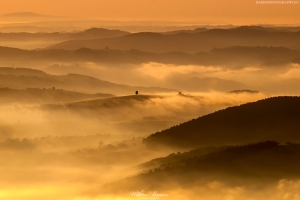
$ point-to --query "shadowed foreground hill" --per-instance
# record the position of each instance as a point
(20, 78)
(275, 118)
(236, 165)
(178, 157)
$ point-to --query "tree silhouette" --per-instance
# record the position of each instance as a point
(136, 92)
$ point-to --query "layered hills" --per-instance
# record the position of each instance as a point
(233, 57)
(237, 166)
(190, 42)
(22, 78)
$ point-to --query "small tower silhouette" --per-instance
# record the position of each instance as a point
(136, 92)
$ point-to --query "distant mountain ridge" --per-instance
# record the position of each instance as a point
(98, 33)
(92, 33)
(28, 17)
(24, 14)
(232, 57)
(191, 42)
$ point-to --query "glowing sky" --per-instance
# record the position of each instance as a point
(225, 11)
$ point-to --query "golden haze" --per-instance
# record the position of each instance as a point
(214, 11)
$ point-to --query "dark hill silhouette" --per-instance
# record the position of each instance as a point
(190, 42)
(98, 33)
(22, 72)
(132, 41)
(43, 96)
(185, 31)
(258, 28)
(7, 51)
(178, 157)
(244, 91)
(263, 162)
(274, 118)
(28, 78)
(237, 56)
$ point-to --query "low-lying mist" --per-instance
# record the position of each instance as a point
(251, 189)
(128, 115)
(69, 143)
(69, 150)
(277, 79)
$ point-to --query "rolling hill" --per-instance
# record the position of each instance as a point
(43, 96)
(177, 157)
(258, 164)
(137, 115)
(269, 119)
(98, 33)
(95, 105)
(20, 78)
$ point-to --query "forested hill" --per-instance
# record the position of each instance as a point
(275, 118)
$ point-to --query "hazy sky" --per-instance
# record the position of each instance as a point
(226, 11)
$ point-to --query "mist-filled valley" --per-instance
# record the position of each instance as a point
(107, 109)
